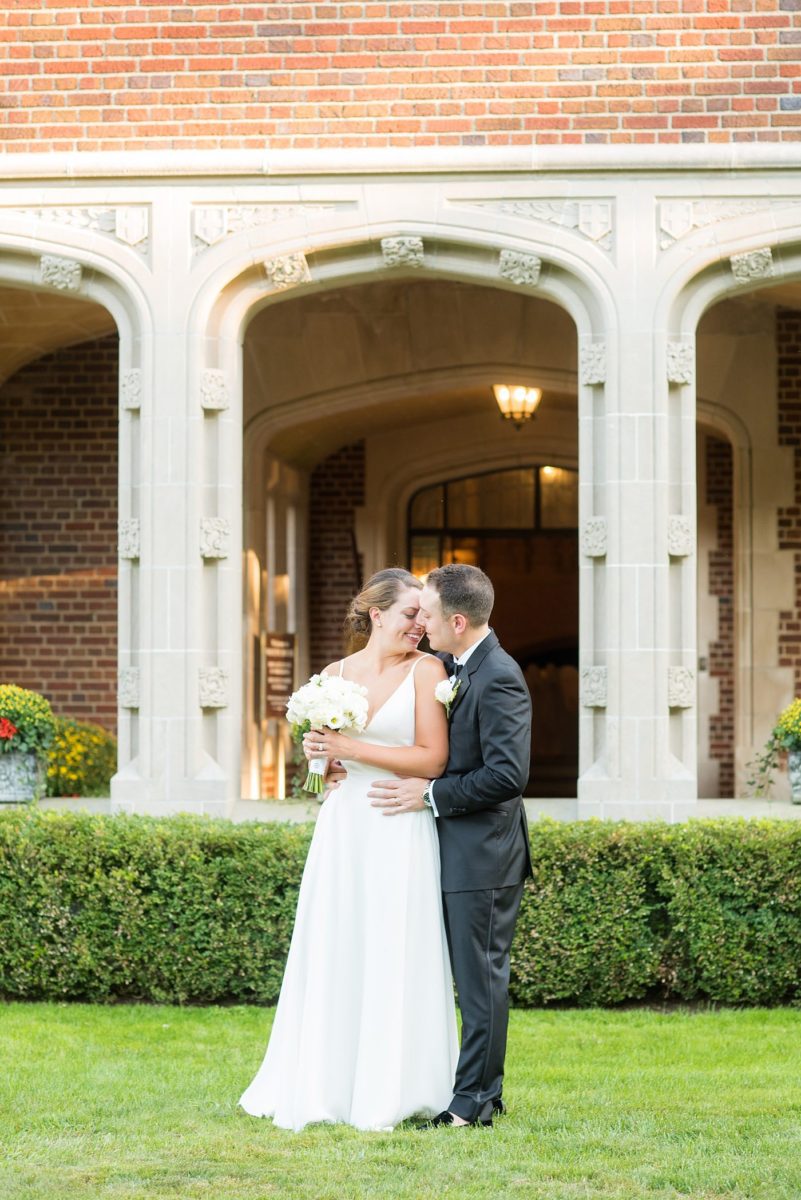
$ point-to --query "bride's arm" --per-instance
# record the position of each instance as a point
(429, 754)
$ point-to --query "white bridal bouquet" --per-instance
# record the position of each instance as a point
(326, 702)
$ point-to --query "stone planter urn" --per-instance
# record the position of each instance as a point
(20, 777)
(794, 772)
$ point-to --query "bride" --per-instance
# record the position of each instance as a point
(365, 1029)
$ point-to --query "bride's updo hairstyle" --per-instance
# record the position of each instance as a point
(380, 591)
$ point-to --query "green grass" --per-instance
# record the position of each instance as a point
(140, 1103)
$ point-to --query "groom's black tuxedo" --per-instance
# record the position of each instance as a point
(486, 843)
(484, 852)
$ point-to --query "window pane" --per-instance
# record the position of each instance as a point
(425, 555)
(428, 508)
(558, 498)
(503, 500)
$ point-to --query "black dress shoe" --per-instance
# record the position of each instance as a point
(446, 1118)
(498, 1107)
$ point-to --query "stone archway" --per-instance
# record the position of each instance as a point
(439, 253)
(75, 335)
(729, 312)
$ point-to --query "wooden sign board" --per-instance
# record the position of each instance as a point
(280, 672)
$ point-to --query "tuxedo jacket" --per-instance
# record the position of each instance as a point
(483, 833)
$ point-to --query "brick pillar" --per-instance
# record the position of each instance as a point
(719, 493)
(335, 572)
(58, 530)
(788, 354)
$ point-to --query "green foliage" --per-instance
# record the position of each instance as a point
(81, 760)
(26, 721)
(186, 909)
(180, 909)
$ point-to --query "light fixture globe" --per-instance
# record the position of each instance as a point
(516, 402)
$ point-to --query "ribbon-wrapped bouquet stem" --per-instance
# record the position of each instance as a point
(326, 702)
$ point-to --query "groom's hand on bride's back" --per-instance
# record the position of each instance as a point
(396, 796)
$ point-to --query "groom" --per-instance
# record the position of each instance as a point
(481, 822)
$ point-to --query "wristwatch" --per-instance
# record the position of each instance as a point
(427, 796)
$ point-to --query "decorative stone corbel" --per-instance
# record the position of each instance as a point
(680, 362)
(593, 687)
(592, 363)
(680, 537)
(403, 251)
(522, 269)
(755, 264)
(681, 687)
(128, 687)
(287, 272)
(593, 537)
(214, 537)
(213, 390)
(128, 537)
(212, 687)
(61, 273)
(131, 389)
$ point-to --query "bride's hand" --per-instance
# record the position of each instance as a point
(325, 743)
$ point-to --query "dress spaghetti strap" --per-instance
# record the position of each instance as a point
(341, 667)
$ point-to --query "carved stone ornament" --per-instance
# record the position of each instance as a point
(212, 687)
(212, 223)
(287, 272)
(680, 537)
(678, 218)
(592, 363)
(593, 537)
(214, 536)
(523, 269)
(681, 687)
(128, 687)
(756, 264)
(403, 251)
(128, 537)
(127, 223)
(680, 362)
(213, 390)
(593, 687)
(61, 273)
(131, 389)
(593, 219)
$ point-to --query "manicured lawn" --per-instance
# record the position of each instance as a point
(140, 1103)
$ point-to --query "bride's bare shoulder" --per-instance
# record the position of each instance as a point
(429, 666)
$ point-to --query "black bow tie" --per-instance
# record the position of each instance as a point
(451, 665)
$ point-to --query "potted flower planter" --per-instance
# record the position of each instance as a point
(27, 726)
(20, 777)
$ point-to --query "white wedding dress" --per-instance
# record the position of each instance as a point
(365, 1029)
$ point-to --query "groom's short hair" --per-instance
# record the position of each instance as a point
(463, 589)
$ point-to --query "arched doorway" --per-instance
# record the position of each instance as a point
(520, 525)
(386, 382)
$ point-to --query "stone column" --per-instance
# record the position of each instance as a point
(180, 533)
(637, 545)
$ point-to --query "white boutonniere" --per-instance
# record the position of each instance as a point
(445, 692)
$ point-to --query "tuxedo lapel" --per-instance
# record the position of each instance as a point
(473, 663)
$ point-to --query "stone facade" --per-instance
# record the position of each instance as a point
(321, 237)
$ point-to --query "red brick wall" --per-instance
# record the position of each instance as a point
(719, 492)
(106, 74)
(337, 488)
(58, 530)
(788, 347)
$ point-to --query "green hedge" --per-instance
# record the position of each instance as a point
(191, 910)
